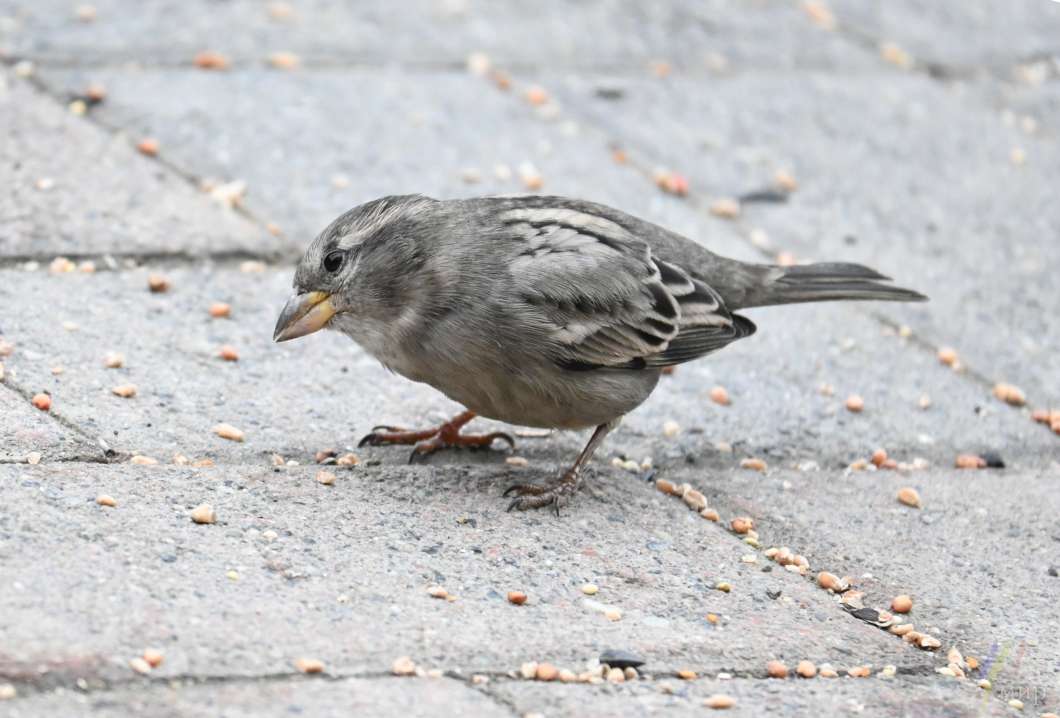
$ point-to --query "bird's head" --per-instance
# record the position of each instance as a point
(354, 268)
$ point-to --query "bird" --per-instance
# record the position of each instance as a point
(536, 310)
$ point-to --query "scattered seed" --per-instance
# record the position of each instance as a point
(722, 586)
(667, 486)
(742, 525)
(750, 558)
(517, 597)
(827, 671)
(158, 283)
(204, 514)
(786, 180)
(227, 431)
(754, 464)
(1016, 703)
(229, 353)
(902, 630)
(403, 667)
(566, 676)
(309, 665)
(968, 461)
(537, 95)
(902, 604)
(113, 359)
(153, 656)
(909, 497)
(148, 147)
(859, 672)
(219, 310)
(146, 461)
(210, 61)
(42, 402)
(927, 641)
(687, 674)
(695, 500)
(879, 456)
(972, 662)
(203, 463)
(1010, 394)
(831, 582)
(33, 457)
(325, 454)
(751, 541)
(859, 465)
(44, 184)
(528, 670)
(895, 55)
(710, 514)
(348, 460)
(855, 403)
(619, 157)
(671, 428)
(124, 390)
(947, 356)
(719, 701)
(589, 589)
(806, 669)
(827, 389)
(104, 500)
(776, 669)
(956, 669)
(783, 556)
(719, 395)
(7, 691)
(252, 266)
(325, 478)
(140, 666)
(438, 592)
(284, 60)
(786, 259)
(546, 672)
(728, 208)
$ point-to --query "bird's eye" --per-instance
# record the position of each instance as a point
(333, 261)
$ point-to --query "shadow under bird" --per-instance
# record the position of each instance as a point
(537, 311)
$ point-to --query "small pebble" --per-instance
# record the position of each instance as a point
(855, 403)
(104, 500)
(517, 597)
(229, 353)
(204, 514)
(309, 665)
(42, 402)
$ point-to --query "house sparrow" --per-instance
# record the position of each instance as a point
(536, 311)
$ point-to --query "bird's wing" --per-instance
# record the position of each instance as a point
(605, 300)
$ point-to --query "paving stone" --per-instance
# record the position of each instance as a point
(70, 188)
(358, 557)
(555, 33)
(385, 697)
(25, 429)
(893, 173)
(974, 557)
(296, 398)
(1005, 33)
(876, 695)
(306, 160)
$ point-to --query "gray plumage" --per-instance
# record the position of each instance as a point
(538, 311)
(545, 311)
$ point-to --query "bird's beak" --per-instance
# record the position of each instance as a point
(305, 313)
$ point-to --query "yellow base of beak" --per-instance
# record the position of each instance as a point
(305, 313)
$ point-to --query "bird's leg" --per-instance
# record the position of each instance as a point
(448, 434)
(558, 492)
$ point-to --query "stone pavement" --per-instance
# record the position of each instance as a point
(923, 141)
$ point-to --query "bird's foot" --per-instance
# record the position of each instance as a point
(430, 440)
(557, 492)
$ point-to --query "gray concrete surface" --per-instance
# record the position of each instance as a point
(909, 170)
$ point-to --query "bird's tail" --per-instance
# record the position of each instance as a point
(822, 282)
